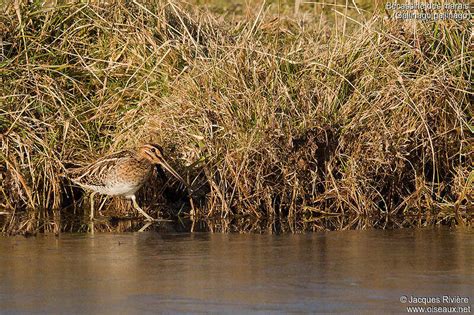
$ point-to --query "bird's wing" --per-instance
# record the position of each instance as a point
(95, 174)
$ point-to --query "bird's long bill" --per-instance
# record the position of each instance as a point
(173, 172)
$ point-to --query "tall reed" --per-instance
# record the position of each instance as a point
(326, 120)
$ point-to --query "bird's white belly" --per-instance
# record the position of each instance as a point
(116, 189)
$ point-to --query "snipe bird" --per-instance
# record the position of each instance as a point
(121, 174)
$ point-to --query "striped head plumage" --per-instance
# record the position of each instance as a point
(154, 154)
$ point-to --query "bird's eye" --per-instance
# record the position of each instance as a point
(152, 150)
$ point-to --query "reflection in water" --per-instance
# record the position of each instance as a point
(149, 272)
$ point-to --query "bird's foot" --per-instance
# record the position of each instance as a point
(150, 219)
(153, 220)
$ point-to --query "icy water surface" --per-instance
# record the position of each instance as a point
(348, 271)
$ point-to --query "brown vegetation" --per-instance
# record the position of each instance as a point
(276, 117)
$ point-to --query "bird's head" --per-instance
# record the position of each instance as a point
(154, 154)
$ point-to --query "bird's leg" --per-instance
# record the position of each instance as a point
(92, 206)
(135, 205)
(90, 226)
(102, 205)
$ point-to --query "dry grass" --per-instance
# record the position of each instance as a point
(274, 115)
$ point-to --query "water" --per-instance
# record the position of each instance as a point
(347, 271)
